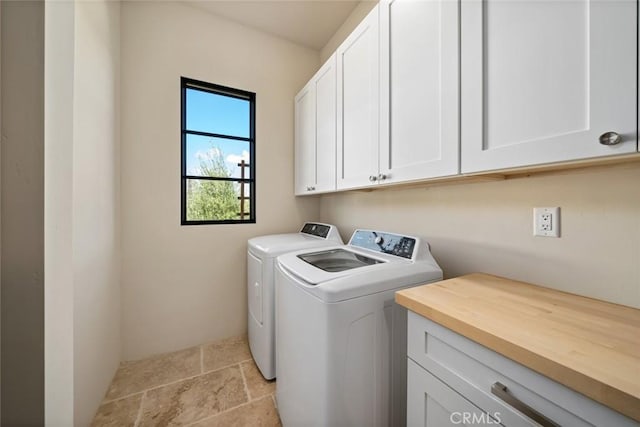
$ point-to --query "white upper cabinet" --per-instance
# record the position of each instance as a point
(325, 81)
(305, 139)
(543, 80)
(358, 102)
(315, 133)
(419, 95)
(433, 88)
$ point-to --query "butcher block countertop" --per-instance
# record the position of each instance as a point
(590, 346)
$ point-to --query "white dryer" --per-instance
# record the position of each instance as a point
(341, 337)
(261, 256)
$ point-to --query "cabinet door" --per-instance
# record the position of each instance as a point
(358, 69)
(305, 139)
(431, 403)
(542, 80)
(419, 81)
(325, 86)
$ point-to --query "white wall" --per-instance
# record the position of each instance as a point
(354, 18)
(184, 285)
(96, 203)
(22, 214)
(82, 227)
(58, 207)
(487, 227)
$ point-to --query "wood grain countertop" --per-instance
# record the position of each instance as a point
(588, 345)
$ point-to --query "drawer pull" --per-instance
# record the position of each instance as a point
(500, 390)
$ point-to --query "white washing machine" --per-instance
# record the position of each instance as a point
(341, 337)
(261, 256)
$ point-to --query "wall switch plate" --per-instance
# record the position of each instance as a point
(546, 222)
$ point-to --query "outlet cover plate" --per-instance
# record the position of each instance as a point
(546, 222)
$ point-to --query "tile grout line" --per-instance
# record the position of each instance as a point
(226, 410)
(174, 382)
(244, 381)
(126, 396)
(201, 359)
(139, 416)
(227, 366)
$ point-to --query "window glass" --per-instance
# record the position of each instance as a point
(218, 154)
(217, 114)
(209, 200)
(209, 156)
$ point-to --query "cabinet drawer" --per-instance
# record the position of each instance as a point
(431, 403)
(471, 369)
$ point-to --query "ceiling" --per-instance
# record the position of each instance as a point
(310, 23)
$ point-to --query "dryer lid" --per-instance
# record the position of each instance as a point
(311, 235)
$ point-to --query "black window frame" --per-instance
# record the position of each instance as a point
(188, 83)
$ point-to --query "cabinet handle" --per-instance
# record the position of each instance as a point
(610, 138)
(373, 178)
(500, 390)
(382, 177)
(312, 188)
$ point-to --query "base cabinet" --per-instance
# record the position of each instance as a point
(430, 402)
(455, 381)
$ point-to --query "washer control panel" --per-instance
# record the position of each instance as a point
(386, 243)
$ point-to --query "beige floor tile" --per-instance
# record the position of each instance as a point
(119, 413)
(139, 375)
(226, 352)
(259, 413)
(256, 384)
(193, 399)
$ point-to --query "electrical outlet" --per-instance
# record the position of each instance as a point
(546, 222)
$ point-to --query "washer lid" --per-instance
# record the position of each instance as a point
(374, 261)
(342, 285)
(336, 260)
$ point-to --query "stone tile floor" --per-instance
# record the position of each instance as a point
(214, 384)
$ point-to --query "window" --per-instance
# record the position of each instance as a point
(218, 154)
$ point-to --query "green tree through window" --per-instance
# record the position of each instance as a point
(212, 200)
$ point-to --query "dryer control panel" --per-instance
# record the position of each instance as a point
(315, 229)
(386, 243)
